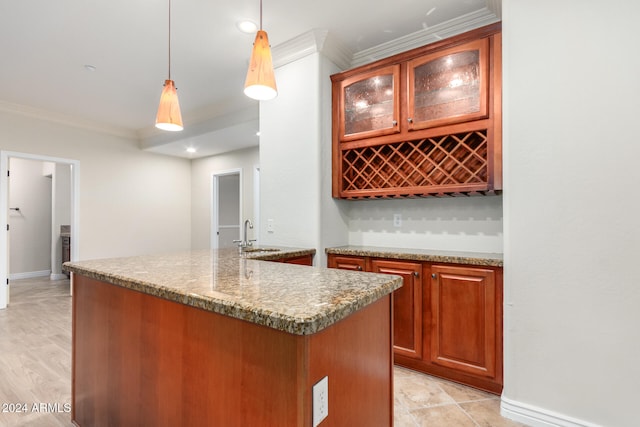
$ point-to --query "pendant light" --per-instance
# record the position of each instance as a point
(169, 117)
(261, 82)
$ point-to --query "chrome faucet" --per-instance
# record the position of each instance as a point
(245, 242)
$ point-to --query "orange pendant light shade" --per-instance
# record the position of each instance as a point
(261, 82)
(169, 117)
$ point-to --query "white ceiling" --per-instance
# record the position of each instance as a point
(45, 45)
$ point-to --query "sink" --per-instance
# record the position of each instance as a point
(249, 250)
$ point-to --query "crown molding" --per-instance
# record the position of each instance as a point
(495, 6)
(310, 42)
(67, 120)
(453, 27)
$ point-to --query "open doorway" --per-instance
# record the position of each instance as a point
(226, 208)
(43, 212)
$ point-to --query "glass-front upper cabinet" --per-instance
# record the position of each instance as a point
(369, 104)
(449, 86)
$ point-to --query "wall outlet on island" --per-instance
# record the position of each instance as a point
(397, 220)
(320, 401)
(270, 228)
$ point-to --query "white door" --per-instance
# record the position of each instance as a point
(227, 209)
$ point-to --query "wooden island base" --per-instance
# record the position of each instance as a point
(139, 360)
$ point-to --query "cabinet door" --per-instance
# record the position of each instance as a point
(346, 262)
(369, 104)
(449, 86)
(464, 318)
(407, 305)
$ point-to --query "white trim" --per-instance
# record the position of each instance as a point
(30, 274)
(447, 29)
(310, 42)
(538, 417)
(58, 277)
(53, 117)
(213, 223)
(4, 206)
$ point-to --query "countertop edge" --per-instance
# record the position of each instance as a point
(279, 321)
(450, 257)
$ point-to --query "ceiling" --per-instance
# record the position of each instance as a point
(47, 44)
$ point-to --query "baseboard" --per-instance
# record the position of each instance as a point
(58, 276)
(29, 274)
(538, 417)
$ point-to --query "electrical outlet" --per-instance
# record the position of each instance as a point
(270, 228)
(320, 401)
(397, 220)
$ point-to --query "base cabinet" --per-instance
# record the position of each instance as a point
(463, 319)
(407, 305)
(447, 317)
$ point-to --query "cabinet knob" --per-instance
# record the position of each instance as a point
(359, 268)
(395, 123)
(410, 120)
(416, 274)
(434, 275)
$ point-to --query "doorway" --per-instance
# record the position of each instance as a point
(60, 172)
(226, 208)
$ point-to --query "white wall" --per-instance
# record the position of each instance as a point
(295, 160)
(572, 237)
(457, 224)
(30, 227)
(131, 202)
(201, 190)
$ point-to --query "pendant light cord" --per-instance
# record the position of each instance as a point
(169, 39)
(260, 15)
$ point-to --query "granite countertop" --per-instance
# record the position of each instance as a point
(296, 299)
(433, 255)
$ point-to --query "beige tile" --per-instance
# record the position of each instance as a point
(487, 414)
(418, 391)
(443, 416)
(461, 393)
(402, 418)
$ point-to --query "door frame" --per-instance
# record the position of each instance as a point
(4, 208)
(215, 196)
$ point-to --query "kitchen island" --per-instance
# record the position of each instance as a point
(216, 338)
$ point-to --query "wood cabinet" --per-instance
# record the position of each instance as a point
(347, 262)
(447, 317)
(407, 305)
(140, 360)
(464, 315)
(300, 260)
(424, 122)
(370, 104)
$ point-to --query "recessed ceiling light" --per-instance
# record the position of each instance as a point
(191, 149)
(258, 133)
(247, 27)
(90, 67)
(433, 9)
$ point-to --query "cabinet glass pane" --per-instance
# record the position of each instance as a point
(447, 87)
(368, 105)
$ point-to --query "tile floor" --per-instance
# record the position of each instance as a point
(35, 368)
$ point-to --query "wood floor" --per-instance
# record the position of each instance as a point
(35, 371)
(35, 354)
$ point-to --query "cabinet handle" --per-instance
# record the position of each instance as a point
(410, 120)
(359, 268)
(434, 275)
